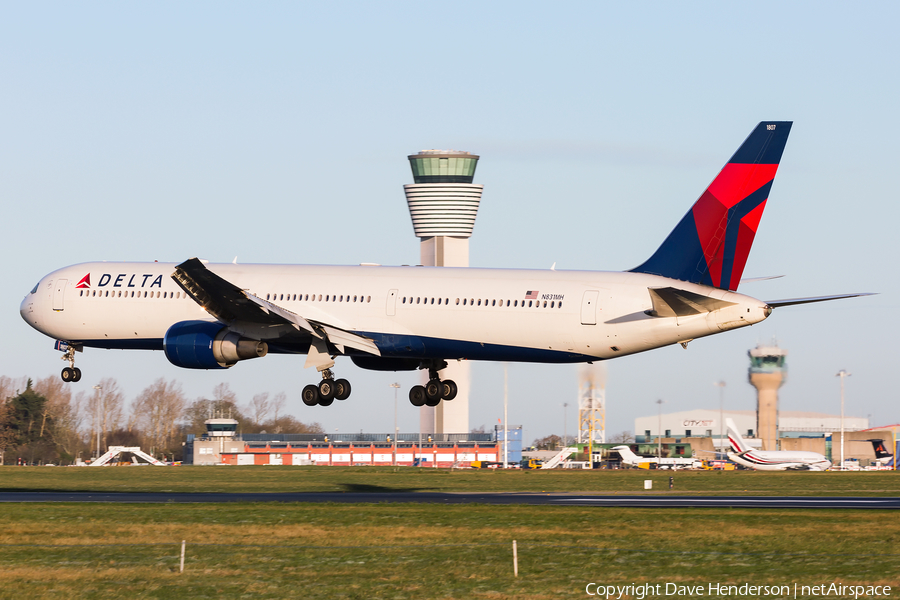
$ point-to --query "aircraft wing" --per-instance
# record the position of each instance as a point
(672, 302)
(228, 303)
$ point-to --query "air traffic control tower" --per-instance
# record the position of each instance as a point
(443, 203)
(767, 373)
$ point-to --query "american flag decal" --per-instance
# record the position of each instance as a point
(531, 295)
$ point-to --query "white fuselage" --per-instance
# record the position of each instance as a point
(431, 312)
(778, 460)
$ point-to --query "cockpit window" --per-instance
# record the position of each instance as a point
(34, 289)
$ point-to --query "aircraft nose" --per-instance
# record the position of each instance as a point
(28, 312)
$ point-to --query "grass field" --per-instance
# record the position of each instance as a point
(276, 550)
(330, 479)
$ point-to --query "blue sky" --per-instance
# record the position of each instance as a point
(278, 132)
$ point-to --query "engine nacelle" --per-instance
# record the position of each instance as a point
(205, 345)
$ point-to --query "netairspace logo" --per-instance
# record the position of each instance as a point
(712, 590)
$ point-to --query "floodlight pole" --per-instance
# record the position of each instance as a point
(721, 385)
(396, 387)
(842, 374)
(98, 388)
(505, 421)
(659, 430)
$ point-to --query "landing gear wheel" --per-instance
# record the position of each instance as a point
(77, 377)
(341, 389)
(326, 391)
(449, 389)
(417, 395)
(310, 395)
(433, 390)
(68, 374)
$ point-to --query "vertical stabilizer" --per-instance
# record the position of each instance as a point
(710, 245)
(628, 457)
(734, 437)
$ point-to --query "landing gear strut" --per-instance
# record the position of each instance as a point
(328, 390)
(435, 390)
(70, 374)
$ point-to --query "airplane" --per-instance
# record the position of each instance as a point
(882, 456)
(212, 316)
(630, 458)
(772, 460)
(884, 460)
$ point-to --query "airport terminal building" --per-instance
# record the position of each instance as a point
(223, 445)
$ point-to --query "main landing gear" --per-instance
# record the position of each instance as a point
(70, 374)
(328, 390)
(435, 390)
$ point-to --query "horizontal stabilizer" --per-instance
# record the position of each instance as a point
(672, 302)
(791, 301)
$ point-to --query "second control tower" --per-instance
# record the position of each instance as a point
(443, 203)
(768, 372)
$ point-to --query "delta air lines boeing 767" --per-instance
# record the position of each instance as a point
(212, 316)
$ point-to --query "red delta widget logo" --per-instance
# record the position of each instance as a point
(106, 278)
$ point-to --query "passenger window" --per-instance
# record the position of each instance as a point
(493, 303)
(479, 302)
(464, 301)
(529, 303)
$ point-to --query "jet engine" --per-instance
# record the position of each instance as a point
(208, 345)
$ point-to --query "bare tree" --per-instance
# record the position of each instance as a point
(259, 408)
(222, 405)
(105, 408)
(157, 409)
(60, 417)
(277, 404)
(623, 437)
(10, 387)
(223, 397)
(59, 397)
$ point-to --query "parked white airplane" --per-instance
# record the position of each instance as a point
(630, 458)
(772, 460)
(211, 316)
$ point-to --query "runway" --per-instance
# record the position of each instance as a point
(648, 501)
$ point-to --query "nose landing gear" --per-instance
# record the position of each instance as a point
(70, 374)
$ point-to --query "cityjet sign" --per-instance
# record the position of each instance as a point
(698, 422)
(122, 280)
